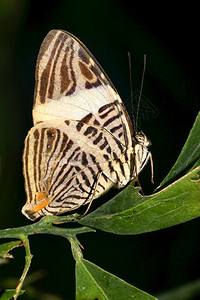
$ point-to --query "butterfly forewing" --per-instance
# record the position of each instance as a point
(81, 144)
(70, 84)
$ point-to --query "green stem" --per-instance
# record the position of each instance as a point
(45, 226)
(28, 259)
(76, 248)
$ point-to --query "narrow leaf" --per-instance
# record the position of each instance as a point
(7, 247)
(8, 294)
(189, 157)
(92, 282)
(189, 290)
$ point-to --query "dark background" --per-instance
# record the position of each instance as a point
(169, 35)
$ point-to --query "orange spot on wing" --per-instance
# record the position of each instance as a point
(42, 200)
(40, 206)
(40, 196)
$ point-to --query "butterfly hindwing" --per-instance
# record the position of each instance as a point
(63, 165)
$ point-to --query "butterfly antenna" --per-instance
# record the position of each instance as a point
(141, 88)
(131, 88)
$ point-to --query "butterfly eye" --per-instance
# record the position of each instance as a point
(139, 137)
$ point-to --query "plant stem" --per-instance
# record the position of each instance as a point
(28, 259)
(45, 226)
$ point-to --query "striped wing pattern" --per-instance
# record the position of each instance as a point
(70, 84)
(62, 171)
(81, 144)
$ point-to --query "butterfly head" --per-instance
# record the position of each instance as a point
(141, 139)
(141, 153)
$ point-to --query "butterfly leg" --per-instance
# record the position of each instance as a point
(151, 161)
(136, 177)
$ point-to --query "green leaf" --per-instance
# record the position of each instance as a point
(189, 290)
(92, 282)
(8, 294)
(130, 213)
(189, 157)
(7, 247)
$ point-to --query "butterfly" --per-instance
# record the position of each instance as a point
(82, 143)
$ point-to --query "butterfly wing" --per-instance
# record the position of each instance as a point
(81, 143)
(65, 169)
(70, 84)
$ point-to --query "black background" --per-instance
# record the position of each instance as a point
(169, 36)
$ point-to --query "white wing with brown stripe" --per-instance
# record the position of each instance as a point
(70, 84)
(82, 141)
